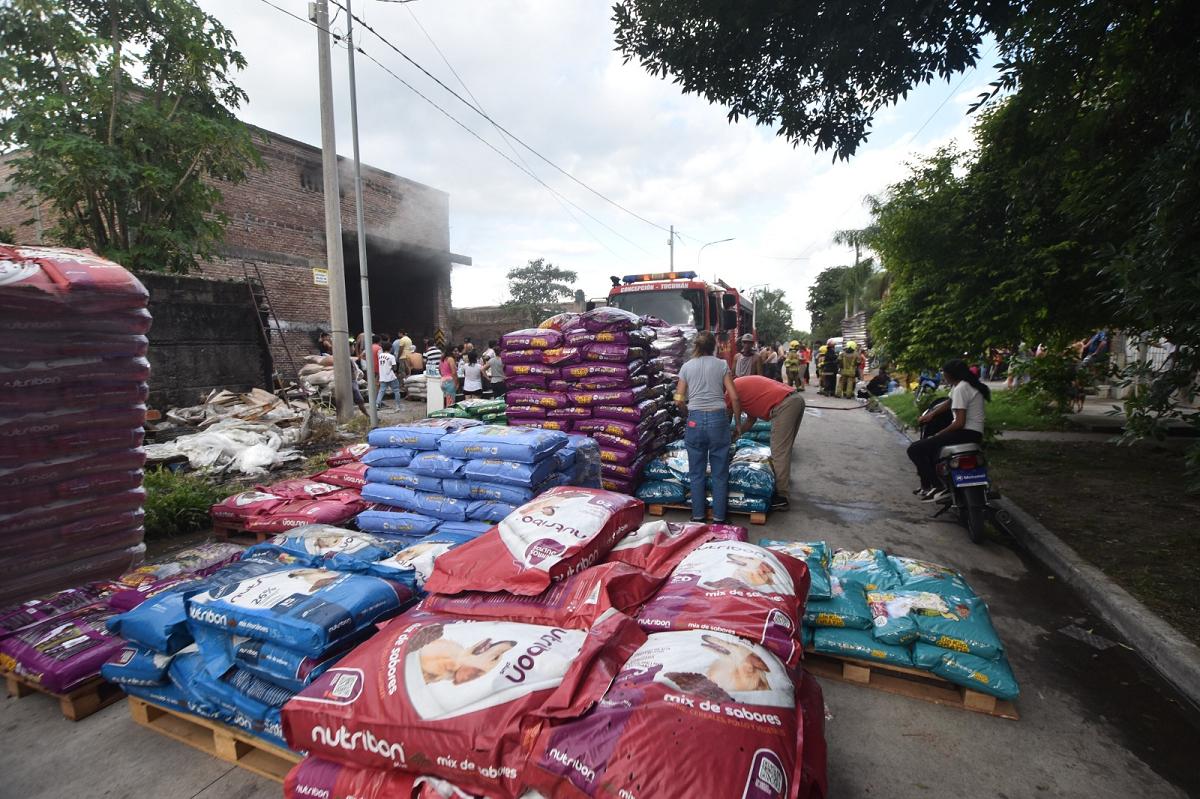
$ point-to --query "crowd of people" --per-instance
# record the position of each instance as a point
(837, 370)
(462, 369)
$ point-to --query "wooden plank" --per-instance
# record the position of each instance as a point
(912, 683)
(756, 517)
(237, 534)
(213, 738)
(76, 704)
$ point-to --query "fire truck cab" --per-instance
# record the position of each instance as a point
(681, 298)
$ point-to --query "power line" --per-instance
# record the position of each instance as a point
(500, 127)
(508, 141)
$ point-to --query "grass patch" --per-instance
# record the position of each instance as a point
(177, 504)
(1126, 510)
(1008, 410)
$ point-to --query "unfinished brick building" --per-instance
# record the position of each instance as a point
(277, 227)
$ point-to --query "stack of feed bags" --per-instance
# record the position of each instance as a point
(593, 374)
(236, 645)
(454, 475)
(488, 411)
(329, 497)
(73, 374)
(873, 606)
(60, 640)
(751, 477)
(554, 656)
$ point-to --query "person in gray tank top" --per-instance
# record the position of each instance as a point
(704, 384)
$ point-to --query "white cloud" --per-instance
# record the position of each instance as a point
(546, 70)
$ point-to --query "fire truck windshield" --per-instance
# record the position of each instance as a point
(673, 306)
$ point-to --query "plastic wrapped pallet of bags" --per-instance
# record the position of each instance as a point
(815, 555)
(695, 693)
(323, 545)
(431, 693)
(735, 587)
(556, 534)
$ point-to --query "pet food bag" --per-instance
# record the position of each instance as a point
(964, 627)
(412, 565)
(531, 339)
(455, 698)
(860, 645)
(738, 588)
(659, 546)
(692, 714)
(388, 456)
(921, 575)
(846, 607)
(320, 545)
(490, 510)
(815, 555)
(609, 320)
(662, 492)
(63, 652)
(894, 613)
(348, 475)
(349, 454)
(556, 534)
(241, 507)
(396, 523)
(404, 476)
(133, 665)
(428, 504)
(509, 472)
(330, 779)
(299, 488)
(988, 676)
(420, 435)
(435, 464)
(336, 508)
(869, 569)
(577, 602)
(304, 609)
(15, 618)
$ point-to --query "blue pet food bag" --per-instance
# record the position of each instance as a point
(388, 456)
(752, 479)
(471, 528)
(501, 493)
(869, 568)
(271, 661)
(921, 575)
(895, 614)
(847, 607)
(413, 565)
(167, 695)
(662, 492)
(304, 609)
(134, 665)
(993, 677)
(813, 553)
(435, 464)
(564, 460)
(456, 487)
(859, 644)
(513, 473)
(396, 523)
(403, 476)
(186, 673)
(423, 434)
(523, 444)
(325, 545)
(489, 510)
(964, 627)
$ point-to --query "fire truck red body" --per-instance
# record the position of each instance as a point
(681, 298)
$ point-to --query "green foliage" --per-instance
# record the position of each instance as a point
(536, 288)
(7, 235)
(825, 303)
(820, 72)
(121, 111)
(178, 503)
(772, 315)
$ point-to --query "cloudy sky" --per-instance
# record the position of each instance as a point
(546, 70)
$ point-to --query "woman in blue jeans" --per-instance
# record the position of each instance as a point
(704, 384)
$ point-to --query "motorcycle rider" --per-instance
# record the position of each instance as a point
(967, 398)
(848, 364)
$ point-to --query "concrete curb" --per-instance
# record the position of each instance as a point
(1172, 655)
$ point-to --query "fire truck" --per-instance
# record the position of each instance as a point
(681, 298)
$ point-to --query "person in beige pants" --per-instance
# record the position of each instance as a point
(764, 398)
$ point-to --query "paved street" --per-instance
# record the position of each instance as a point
(1094, 723)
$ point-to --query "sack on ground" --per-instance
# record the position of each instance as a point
(846, 607)
(815, 555)
(993, 677)
(869, 568)
(436, 464)
(964, 627)
(921, 575)
(322, 545)
(860, 645)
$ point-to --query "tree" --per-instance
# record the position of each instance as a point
(824, 304)
(536, 288)
(819, 71)
(772, 315)
(122, 113)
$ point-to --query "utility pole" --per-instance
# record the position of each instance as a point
(361, 229)
(671, 243)
(343, 372)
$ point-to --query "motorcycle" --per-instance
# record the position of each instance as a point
(963, 469)
(926, 384)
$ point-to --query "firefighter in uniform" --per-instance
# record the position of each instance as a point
(848, 374)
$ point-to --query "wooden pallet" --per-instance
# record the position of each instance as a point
(237, 534)
(219, 740)
(77, 704)
(756, 517)
(907, 682)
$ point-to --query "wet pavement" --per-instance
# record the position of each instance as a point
(1095, 720)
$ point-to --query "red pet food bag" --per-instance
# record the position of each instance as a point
(692, 714)
(316, 777)
(559, 533)
(813, 780)
(350, 454)
(576, 603)
(348, 475)
(659, 546)
(241, 507)
(456, 698)
(738, 588)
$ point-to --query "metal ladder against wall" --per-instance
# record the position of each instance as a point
(268, 323)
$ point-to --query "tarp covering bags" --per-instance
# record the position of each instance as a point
(692, 713)
(454, 698)
(735, 587)
(71, 417)
(556, 534)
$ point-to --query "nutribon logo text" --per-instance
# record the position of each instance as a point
(516, 671)
(342, 738)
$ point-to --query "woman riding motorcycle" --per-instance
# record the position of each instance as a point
(965, 425)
